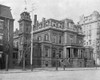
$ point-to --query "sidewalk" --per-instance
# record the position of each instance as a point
(45, 69)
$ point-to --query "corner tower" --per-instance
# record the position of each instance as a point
(24, 35)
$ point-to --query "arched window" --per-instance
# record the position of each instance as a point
(47, 23)
(39, 38)
(54, 38)
(46, 37)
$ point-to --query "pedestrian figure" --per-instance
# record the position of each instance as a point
(63, 63)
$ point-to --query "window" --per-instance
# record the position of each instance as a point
(46, 37)
(21, 27)
(47, 23)
(71, 38)
(15, 55)
(53, 24)
(59, 26)
(60, 39)
(46, 52)
(89, 41)
(54, 38)
(1, 25)
(39, 38)
(60, 54)
(53, 53)
(27, 29)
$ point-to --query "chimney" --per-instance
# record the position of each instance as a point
(43, 22)
(35, 20)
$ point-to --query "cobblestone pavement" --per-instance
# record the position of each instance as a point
(52, 74)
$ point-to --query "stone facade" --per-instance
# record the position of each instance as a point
(53, 41)
(91, 28)
(62, 38)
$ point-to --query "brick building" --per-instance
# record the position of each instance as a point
(6, 35)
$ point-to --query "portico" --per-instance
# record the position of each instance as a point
(75, 56)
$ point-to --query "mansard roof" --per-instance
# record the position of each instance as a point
(5, 12)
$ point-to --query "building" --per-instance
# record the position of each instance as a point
(24, 47)
(6, 36)
(24, 37)
(60, 39)
(15, 47)
(91, 28)
(53, 41)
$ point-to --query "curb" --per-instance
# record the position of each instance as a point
(48, 69)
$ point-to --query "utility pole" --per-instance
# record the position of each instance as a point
(31, 57)
(7, 46)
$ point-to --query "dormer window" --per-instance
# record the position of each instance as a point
(47, 23)
(59, 26)
(53, 24)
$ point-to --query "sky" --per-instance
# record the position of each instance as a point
(57, 9)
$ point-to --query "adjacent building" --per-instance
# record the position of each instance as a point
(91, 28)
(6, 35)
(15, 48)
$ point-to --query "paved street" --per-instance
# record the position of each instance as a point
(68, 74)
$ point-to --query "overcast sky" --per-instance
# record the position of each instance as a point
(57, 9)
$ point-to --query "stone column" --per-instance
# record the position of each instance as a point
(78, 53)
(50, 55)
(72, 52)
(65, 53)
(42, 56)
